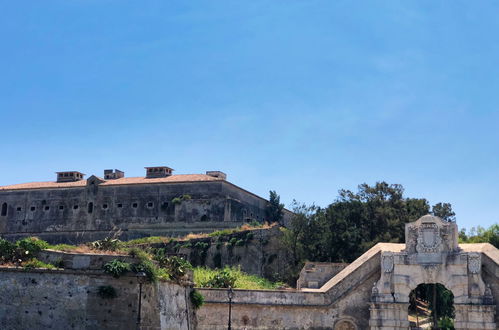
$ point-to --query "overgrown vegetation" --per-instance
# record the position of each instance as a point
(197, 299)
(117, 267)
(22, 250)
(35, 263)
(176, 267)
(231, 277)
(179, 200)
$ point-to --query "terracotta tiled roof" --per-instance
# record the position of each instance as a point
(121, 181)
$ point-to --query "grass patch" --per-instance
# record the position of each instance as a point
(204, 275)
(35, 263)
(147, 240)
(63, 247)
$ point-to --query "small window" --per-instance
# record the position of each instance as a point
(104, 206)
(19, 209)
(75, 207)
(90, 207)
(150, 204)
(32, 208)
(46, 208)
(61, 207)
(4, 209)
(135, 205)
(119, 205)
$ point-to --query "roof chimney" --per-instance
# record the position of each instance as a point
(217, 174)
(111, 175)
(158, 171)
(69, 176)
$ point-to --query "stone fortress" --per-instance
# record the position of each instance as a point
(72, 209)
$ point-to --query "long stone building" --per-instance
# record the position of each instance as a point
(74, 209)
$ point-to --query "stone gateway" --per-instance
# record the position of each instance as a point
(349, 300)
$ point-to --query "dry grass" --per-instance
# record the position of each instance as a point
(84, 249)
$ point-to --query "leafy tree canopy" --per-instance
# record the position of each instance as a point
(355, 222)
(273, 212)
(481, 235)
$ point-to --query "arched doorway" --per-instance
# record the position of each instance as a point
(431, 306)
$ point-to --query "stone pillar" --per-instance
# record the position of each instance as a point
(474, 317)
(389, 316)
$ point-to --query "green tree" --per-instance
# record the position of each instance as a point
(273, 212)
(481, 235)
(444, 211)
(355, 222)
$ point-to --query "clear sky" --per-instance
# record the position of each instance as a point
(302, 97)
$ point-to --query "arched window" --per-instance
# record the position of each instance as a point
(90, 207)
(4, 209)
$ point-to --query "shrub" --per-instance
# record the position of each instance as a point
(7, 250)
(176, 267)
(177, 201)
(29, 247)
(222, 279)
(138, 253)
(197, 299)
(106, 292)
(201, 245)
(240, 242)
(153, 272)
(116, 267)
(35, 263)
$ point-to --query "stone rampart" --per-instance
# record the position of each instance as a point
(89, 211)
(69, 299)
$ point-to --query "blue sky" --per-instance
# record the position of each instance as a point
(302, 97)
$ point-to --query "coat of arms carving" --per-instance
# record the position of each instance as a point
(429, 238)
(474, 263)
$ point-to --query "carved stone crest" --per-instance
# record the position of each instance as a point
(387, 263)
(429, 239)
(474, 263)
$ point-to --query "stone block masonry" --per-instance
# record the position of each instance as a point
(69, 299)
(80, 210)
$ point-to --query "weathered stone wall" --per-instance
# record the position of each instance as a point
(259, 309)
(69, 260)
(68, 299)
(85, 213)
(490, 262)
(257, 251)
(315, 274)
(343, 299)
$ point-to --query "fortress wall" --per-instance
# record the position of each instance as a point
(62, 299)
(88, 213)
(267, 309)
